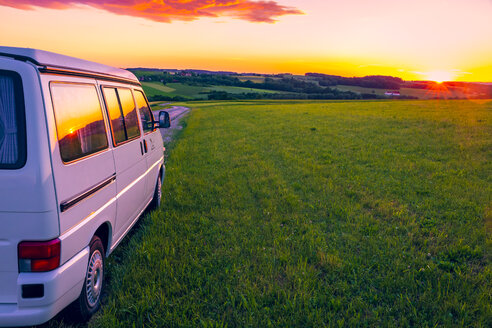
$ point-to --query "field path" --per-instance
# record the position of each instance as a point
(176, 113)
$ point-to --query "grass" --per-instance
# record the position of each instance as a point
(174, 89)
(151, 91)
(158, 86)
(194, 92)
(316, 214)
(161, 105)
(187, 90)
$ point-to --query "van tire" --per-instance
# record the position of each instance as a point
(89, 300)
(156, 200)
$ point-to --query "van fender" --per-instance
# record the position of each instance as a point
(79, 236)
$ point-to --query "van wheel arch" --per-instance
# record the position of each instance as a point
(104, 233)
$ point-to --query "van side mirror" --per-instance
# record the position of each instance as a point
(164, 119)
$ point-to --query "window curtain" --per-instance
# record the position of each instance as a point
(9, 151)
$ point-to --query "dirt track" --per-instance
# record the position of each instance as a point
(176, 113)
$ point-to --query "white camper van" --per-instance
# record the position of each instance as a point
(80, 159)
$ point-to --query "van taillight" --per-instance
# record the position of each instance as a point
(39, 256)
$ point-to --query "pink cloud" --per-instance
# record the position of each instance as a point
(169, 10)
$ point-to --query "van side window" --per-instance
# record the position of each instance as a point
(129, 112)
(145, 113)
(12, 121)
(122, 114)
(116, 118)
(79, 120)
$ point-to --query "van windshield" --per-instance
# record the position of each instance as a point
(12, 121)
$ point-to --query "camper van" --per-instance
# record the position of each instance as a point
(81, 158)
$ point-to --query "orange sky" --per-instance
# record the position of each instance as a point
(413, 39)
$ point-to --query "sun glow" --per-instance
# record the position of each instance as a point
(439, 76)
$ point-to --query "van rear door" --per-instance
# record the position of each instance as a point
(27, 196)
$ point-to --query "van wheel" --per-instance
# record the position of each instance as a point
(156, 201)
(89, 300)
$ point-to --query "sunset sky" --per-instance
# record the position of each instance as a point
(412, 39)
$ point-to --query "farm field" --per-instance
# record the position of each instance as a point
(293, 213)
(252, 78)
(235, 90)
(173, 89)
(195, 92)
(158, 86)
(155, 88)
(419, 93)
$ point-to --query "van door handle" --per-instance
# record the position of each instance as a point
(145, 145)
(141, 148)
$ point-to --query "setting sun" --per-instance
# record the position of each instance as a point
(439, 76)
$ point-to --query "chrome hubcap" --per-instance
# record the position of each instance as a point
(94, 278)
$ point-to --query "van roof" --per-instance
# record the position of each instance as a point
(49, 59)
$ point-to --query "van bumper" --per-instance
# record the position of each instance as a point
(61, 287)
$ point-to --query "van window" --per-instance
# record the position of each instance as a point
(79, 120)
(12, 121)
(145, 113)
(116, 118)
(130, 113)
(122, 113)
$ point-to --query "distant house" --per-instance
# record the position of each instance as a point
(392, 93)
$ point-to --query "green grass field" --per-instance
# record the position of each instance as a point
(194, 92)
(174, 89)
(158, 86)
(314, 214)
(187, 90)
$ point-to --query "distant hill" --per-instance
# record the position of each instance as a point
(171, 70)
(194, 84)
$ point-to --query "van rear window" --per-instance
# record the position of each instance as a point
(79, 120)
(12, 121)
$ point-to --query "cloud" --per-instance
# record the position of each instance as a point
(170, 10)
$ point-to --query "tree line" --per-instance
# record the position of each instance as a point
(371, 81)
